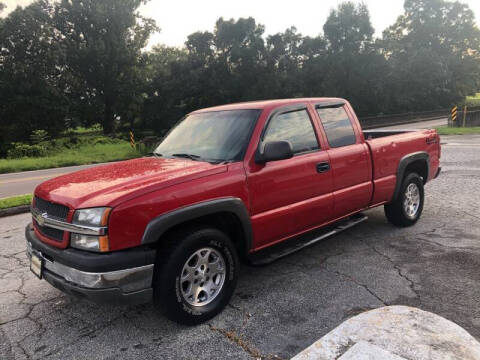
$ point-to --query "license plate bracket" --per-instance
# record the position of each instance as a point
(36, 265)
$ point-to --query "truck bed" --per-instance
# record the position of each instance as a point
(374, 134)
(388, 147)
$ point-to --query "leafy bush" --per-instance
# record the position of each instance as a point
(20, 150)
(39, 136)
(472, 101)
(84, 154)
(92, 129)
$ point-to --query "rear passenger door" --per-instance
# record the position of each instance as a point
(349, 160)
(290, 196)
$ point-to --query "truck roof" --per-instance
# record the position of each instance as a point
(266, 104)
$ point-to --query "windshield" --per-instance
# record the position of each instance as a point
(211, 136)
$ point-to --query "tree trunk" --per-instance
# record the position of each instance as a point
(108, 117)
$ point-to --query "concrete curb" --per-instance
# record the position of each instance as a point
(393, 333)
(14, 210)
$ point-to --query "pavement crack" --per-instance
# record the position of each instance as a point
(235, 307)
(85, 332)
(302, 266)
(433, 231)
(246, 314)
(323, 266)
(27, 355)
(236, 339)
(411, 283)
(8, 344)
(348, 277)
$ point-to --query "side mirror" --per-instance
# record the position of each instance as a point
(273, 151)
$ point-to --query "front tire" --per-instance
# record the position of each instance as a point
(195, 275)
(407, 208)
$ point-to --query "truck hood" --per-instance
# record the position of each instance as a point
(111, 184)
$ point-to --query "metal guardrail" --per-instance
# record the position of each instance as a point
(372, 122)
(470, 119)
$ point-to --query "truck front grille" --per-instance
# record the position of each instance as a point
(49, 232)
(57, 211)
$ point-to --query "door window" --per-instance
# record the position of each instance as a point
(295, 127)
(337, 126)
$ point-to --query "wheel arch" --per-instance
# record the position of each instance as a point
(418, 162)
(227, 214)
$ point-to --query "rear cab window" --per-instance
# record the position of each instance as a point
(337, 125)
(295, 127)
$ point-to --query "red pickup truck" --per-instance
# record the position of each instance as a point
(252, 181)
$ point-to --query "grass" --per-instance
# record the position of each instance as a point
(445, 130)
(473, 100)
(84, 154)
(13, 201)
(95, 129)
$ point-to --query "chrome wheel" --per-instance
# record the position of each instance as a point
(202, 277)
(411, 201)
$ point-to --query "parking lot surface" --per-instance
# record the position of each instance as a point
(278, 309)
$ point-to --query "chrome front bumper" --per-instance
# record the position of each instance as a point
(124, 286)
(127, 280)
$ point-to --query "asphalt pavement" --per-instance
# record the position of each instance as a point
(418, 125)
(279, 309)
(25, 182)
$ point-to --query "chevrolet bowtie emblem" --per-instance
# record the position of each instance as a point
(41, 218)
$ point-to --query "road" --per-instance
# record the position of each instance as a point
(25, 182)
(418, 125)
(279, 309)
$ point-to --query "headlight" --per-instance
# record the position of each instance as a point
(94, 217)
(91, 217)
(87, 242)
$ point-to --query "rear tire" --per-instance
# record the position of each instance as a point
(407, 208)
(195, 275)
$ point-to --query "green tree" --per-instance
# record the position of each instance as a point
(284, 61)
(166, 98)
(70, 62)
(353, 66)
(31, 84)
(240, 59)
(200, 47)
(103, 41)
(313, 65)
(348, 29)
(433, 51)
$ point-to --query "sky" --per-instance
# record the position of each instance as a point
(179, 18)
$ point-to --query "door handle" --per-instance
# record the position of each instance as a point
(323, 167)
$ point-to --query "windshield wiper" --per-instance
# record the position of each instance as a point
(199, 158)
(188, 156)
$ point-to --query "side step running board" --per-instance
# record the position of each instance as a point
(290, 246)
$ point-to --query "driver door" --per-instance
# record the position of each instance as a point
(291, 196)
